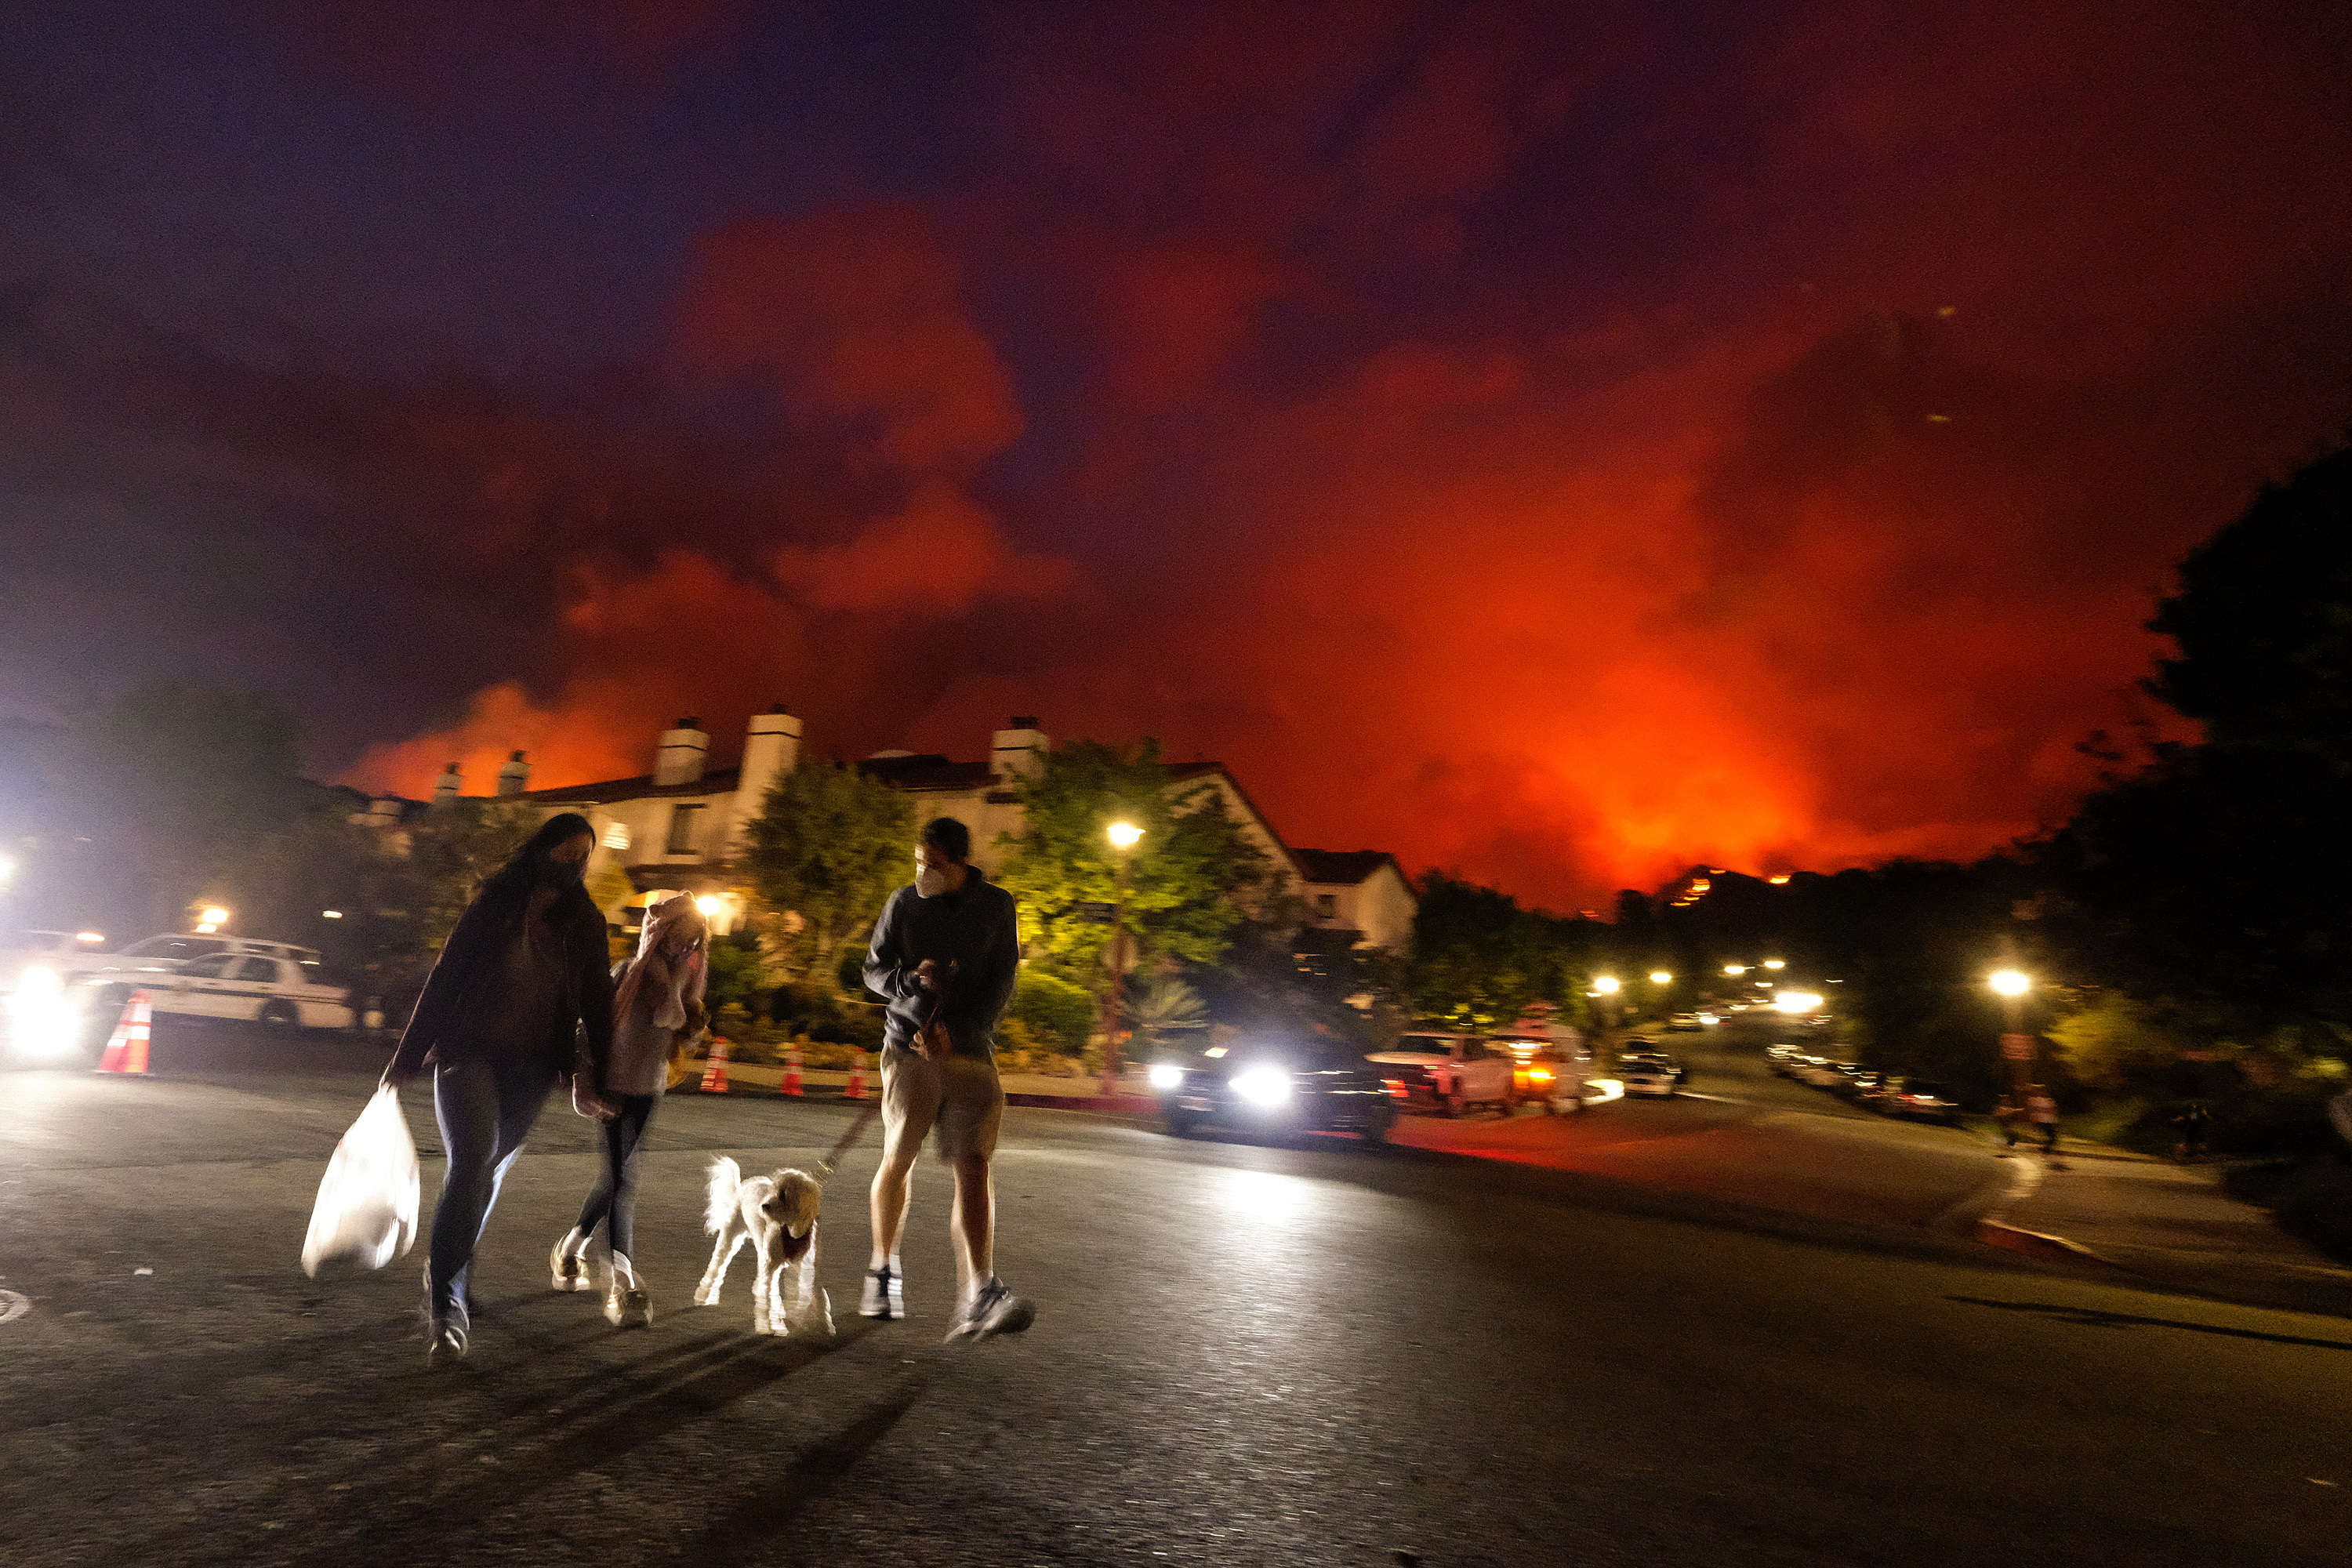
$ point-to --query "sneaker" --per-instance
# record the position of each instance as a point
(564, 1266)
(627, 1304)
(994, 1311)
(444, 1342)
(885, 1294)
(630, 1307)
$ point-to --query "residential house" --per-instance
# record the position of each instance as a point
(1359, 890)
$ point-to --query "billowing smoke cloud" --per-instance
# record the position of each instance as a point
(1565, 447)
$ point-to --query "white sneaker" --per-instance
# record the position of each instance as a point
(626, 1304)
(885, 1294)
(564, 1267)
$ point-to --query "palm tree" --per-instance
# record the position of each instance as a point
(1164, 1008)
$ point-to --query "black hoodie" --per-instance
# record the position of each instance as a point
(976, 928)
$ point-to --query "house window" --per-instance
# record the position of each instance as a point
(681, 829)
(616, 836)
(1326, 905)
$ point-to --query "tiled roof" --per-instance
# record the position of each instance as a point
(1343, 868)
(718, 780)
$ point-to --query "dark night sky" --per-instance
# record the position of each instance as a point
(1565, 443)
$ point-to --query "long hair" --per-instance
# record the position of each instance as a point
(506, 892)
(670, 957)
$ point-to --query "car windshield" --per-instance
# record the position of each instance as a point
(173, 947)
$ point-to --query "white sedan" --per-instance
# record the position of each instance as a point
(1647, 1080)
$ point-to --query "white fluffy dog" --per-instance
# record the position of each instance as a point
(777, 1214)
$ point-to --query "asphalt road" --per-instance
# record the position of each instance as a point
(1246, 1351)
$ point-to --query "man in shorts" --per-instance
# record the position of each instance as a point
(944, 955)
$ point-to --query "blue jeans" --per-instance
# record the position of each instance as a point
(485, 1109)
(613, 1201)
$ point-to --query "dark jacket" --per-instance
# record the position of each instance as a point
(976, 927)
(476, 945)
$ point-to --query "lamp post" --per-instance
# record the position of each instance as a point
(2011, 986)
(1605, 987)
(1123, 837)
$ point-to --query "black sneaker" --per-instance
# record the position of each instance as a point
(994, 1310)
(884, 1295)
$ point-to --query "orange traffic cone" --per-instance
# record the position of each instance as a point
(793, 1068)
(857, 1089)
(714, 1072)
(126, 1049)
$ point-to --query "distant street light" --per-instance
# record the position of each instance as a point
(1797, 1002)
(710, 904)
(1660, 977)
(1604, 985)
(331, 914)
(1124, 836)
(211, 920)
(1775, 963)
(1735, 969)
(2009, 983)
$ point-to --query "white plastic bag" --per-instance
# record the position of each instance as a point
(366, 1210)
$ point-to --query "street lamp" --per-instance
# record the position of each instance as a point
(211, 920)
(1775, 964)
(1660, 977)
(1605, 985)
(1124, 836)
(2009, 983)
(1735, 969)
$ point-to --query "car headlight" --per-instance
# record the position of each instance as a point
(1166, 1075)
(40, 981)
(1263, 1085)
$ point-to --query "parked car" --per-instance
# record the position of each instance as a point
(1923, 1098)
(162, 955)
(1858, 1086)
(1782, 1058)
(1276, 1083)
(1818, 1071)
(1645, 1077)
(269, 982)
(1658, 1057)
(1546, 1072)
(1452, 1072)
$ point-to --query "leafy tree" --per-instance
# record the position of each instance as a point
(451, 851)
(165, 794)
(1195, 876)
(1053, 1009)
(1478, 959)
(828, 847)
(2263, 621)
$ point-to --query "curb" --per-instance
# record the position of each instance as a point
(1108, 1104)
(2035, 1244)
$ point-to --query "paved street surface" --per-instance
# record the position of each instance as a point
(1246, 1351)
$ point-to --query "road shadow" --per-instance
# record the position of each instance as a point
(2094, 1318)
(759, 1526)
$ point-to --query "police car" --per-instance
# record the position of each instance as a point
(238, 978)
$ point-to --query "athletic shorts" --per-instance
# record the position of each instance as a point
(960, 1096)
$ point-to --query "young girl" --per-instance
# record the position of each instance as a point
(658, 1004)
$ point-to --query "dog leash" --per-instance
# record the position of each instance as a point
(824, 1167)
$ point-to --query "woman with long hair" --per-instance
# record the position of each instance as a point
(518, 984)
(658, 1004)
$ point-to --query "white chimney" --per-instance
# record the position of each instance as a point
(679, 759)
(771, 748)
(1021, 750)
(449, 786)
(515, 777)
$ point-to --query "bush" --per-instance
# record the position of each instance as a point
(737, 971)
(2310, 1198)
(1056, 1014)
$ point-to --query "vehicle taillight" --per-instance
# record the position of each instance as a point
(1395, 1086)
(1540, 1076)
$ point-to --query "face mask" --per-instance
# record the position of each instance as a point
(558, 875)
(930, 881)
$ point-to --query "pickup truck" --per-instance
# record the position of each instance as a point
(1452, 1071)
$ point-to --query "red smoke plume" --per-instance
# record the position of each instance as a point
(1805, 519)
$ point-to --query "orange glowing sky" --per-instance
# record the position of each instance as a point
(1563, 450)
